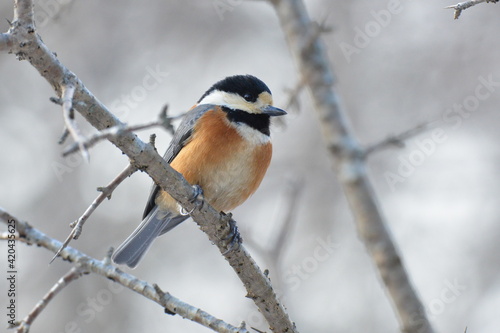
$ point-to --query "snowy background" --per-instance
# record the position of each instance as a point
(407, 63)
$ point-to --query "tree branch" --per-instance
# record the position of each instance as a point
(144, 156)
(23, 12)
(459, 7)
(348, 163)
(73, 274)
(30, 235)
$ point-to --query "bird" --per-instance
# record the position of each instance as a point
(222, 146)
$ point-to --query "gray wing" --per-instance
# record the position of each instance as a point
(180, 139)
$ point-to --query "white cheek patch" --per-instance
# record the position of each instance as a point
(232, 101)
(252, 135)
(216, 97)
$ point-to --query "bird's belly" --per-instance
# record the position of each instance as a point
(227, 185)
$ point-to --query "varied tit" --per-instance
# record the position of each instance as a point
(223, 146)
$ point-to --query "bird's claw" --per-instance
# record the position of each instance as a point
(197, 199)
(233, 237)
(197, 196)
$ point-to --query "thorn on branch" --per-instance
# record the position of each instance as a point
(162, 297)
(56, 100)
(152, 140)
(105, 190)
(64, 136)
(107, 258)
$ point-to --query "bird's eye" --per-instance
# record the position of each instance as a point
(248, 98)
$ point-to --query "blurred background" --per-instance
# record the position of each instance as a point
(398, 64)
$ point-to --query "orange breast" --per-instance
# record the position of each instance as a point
(228, 168)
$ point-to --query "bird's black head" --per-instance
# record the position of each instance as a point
(247, 86)
(242, 92)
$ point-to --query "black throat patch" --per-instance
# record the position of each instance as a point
(258, 121)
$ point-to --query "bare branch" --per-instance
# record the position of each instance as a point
(68, 91)
(348, 162)
(31, 235)
(162, 121)
(73, 274)
(23, 12)
(459, 7)
(105, 193)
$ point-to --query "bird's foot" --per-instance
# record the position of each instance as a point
(197, 195)
(197, 199)
(233, 238)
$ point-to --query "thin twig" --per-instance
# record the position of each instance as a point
(398, 140)
(31, 235)
(162, 121)
(73, 274)
(105, 193)
(459, 7)
(68, 91)
(201, 317)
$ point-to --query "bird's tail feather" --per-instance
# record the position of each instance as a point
(137, 244)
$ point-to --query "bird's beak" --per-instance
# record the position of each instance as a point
(273, 111)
